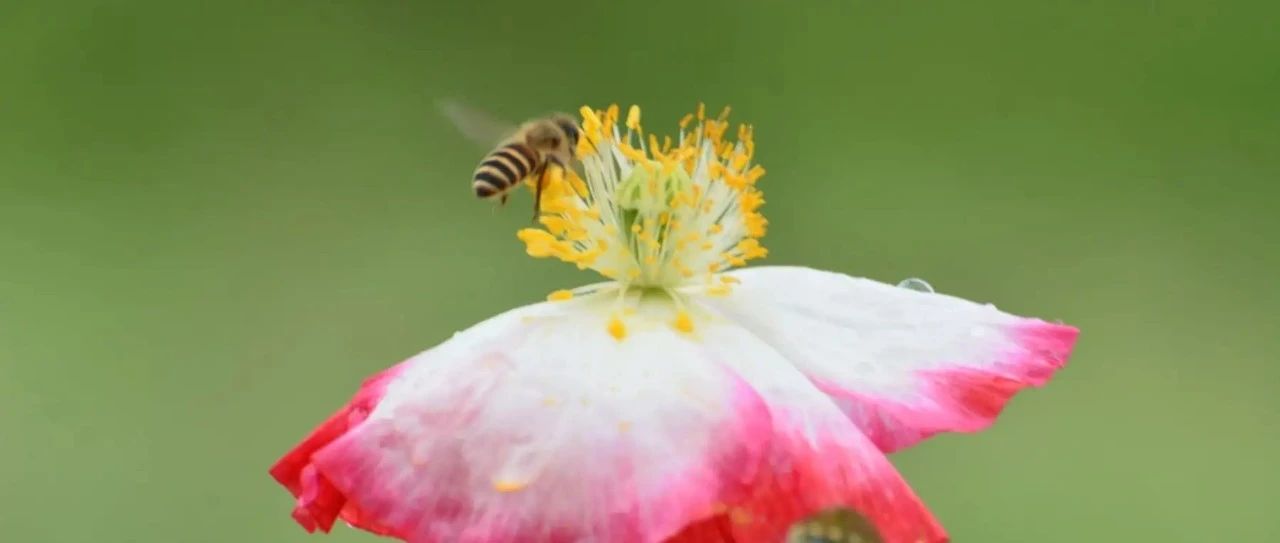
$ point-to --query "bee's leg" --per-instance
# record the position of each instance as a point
(502, 200)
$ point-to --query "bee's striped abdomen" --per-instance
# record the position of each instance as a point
(503, 169)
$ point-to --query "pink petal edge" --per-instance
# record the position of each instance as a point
(960, 399)
(771, 476)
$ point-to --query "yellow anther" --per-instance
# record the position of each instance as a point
(683, 323)
(633, 117)
(755, 224)
(729, 280)
(726, 150)
(707, 245)
(751, 248)
(716, 170)
(555, 225)
(684, 121)
(560, 296)
(751, 200)
(633, 153)
(617, 329)
(612, 113)
(754, 174)
(724, 114)
(590, 121)
(739, 162)
(715, 229)
(702, 111)
(585, 147)
(579, 186)
(719, 290)
(635, 229)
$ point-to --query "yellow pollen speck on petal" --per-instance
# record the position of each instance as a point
(739, 516)
(550, 401)
(683, 323)
(418, 457)
(624, 426)
(507, 486)
(560, 296)
(729, 280)
(617, 329)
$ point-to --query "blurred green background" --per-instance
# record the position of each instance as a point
(215, 220)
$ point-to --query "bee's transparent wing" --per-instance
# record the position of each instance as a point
(477, 126)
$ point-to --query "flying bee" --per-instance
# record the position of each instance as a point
(523, 153)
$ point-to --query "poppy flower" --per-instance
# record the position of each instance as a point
(685, 398)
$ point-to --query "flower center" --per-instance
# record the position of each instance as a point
(654, 215)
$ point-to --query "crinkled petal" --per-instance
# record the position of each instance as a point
(319, 503)
(817, 460)
(902, 364)
(538, 426)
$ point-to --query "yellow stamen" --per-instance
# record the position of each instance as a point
(633, 118)
(640, 213)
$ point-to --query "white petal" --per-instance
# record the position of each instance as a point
(539, 425)
(902, 364)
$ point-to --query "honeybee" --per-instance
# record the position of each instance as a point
(523, 152)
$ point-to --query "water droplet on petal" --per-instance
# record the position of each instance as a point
(916, 284)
